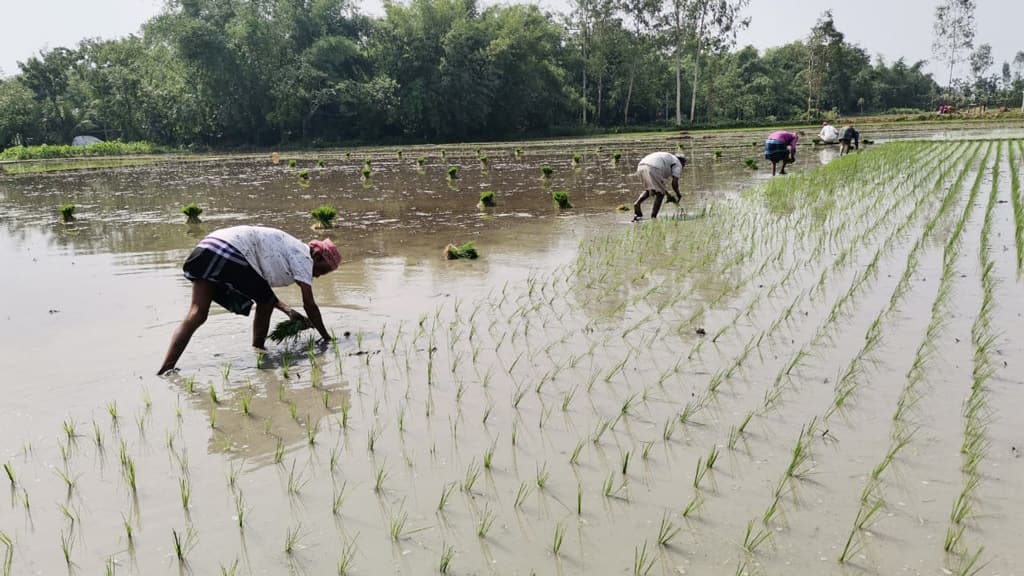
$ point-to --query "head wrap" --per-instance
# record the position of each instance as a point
(327, 251)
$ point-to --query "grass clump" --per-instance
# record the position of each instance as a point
(287, 330)
(466, 251)
(487, 199)
(67, 213)
(561, 198)
(420, 161)
(453, 172)
(750, 163)
(303, 174)
(547, 171)
(292, 163)
(192, 212)
(324, 216)
(367, 172)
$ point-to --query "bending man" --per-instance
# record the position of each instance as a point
(237, 266)
(654, 170)
(780, 147)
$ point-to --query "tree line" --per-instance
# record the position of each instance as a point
(270, 72)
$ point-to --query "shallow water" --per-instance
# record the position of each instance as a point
(559, 338)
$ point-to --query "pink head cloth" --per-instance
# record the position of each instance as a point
(328, 251)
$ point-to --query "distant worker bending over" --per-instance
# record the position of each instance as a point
(654, 170)
(780, 147)
(849, 135)
(828, 133)
(237, 266)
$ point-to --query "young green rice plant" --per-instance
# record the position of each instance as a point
(184, 543)
(561, 199)
(472, 475)
(542, 476)
(292, 163)
(324, 216)
(379, 478)
(240, 510)
(396, 523)
(610, 490)
(968, 565)
(447, 553)
(192, 212)
(546, 171)
(615, 158)
(642, 565)
(712, 457)
(8, 558)
(487, 199)
(292, 539)
(489, 455)
(348, 557)
(296, 481)
(67, 213)
(667, 531)
(576, 159)
(718, 154)
(694, 505)
(483, 162)
(484, 523)
(446, 493)
(213, 394)
(420, 161)
(9, 470)
(699, 473)
(287, 330)
(750, 163)
(279, 452)
(453, 172)
(625, 461)
(558, 539)
(185, 490)
(465, 251)
(752, 538)
(522, 494)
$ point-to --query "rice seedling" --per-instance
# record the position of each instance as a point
(296, 482)
(312, 429)
(420, 161)
(67, 213)
(625, 461)
(447, 553)
(213, 394)
(453, 172)
(9, 470)
(642, 565)
(485, 522)
(561, 199)
(348, 557)
(292, 538)
(522, 494)
(184, 543)
(192, 212)
(694, 505)
(558, 539)
(279, 451)
(666, 531)
(366, 172)
(324, 216)
(576, 159)
(752, 539)
(287, 330)
(465, 251)
(8, 558)
(615, 158)
(396, 524)
(546, 171)
(483, 162)
(185, 490)
(379, 478)
(487, 199)
(291, 163)
(472, 475)
(750, 163)
(610, 490)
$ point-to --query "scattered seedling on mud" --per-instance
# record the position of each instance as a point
(453, 172)
(192, 212)
(183, 544)
(465, 251)
(487, 199)
(559, 537)
(750, 163)
(561, 198)
(667, 531)
(292, 537)
(642, 565)
(324, 216)
(67, 213)
(546, 171)
(485, 522)
(522, 494)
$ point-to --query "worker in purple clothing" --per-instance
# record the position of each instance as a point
(780, 147)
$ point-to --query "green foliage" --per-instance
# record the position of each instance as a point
(487, 199)
(561, 198)
(547, 171)
(288, 330)
(453, 172)
(67, 212)
(466, 251)
(750, 163)
(44, 151)
(192, 212)
(324, 215)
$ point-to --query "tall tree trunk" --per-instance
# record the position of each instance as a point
(629, 94)
(693, 93)
(600, 99)
(679, 90)
(584, 90)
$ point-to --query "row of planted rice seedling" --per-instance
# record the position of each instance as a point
(655, 404)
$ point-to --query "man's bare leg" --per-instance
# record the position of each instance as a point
(261, 323)
(199, 309)
(640, 200)
(658, 197)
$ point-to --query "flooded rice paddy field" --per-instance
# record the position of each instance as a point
(816, 374)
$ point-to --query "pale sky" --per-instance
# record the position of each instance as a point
(892, 28)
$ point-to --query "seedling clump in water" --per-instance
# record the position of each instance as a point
(192, 212)
(324, 216)
(562, 199)
(466, 251)
(288, 330)
(67, 212)
(487, 199)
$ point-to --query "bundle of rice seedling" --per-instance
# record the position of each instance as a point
(467, 250)
(192, 212)
(288, 330)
